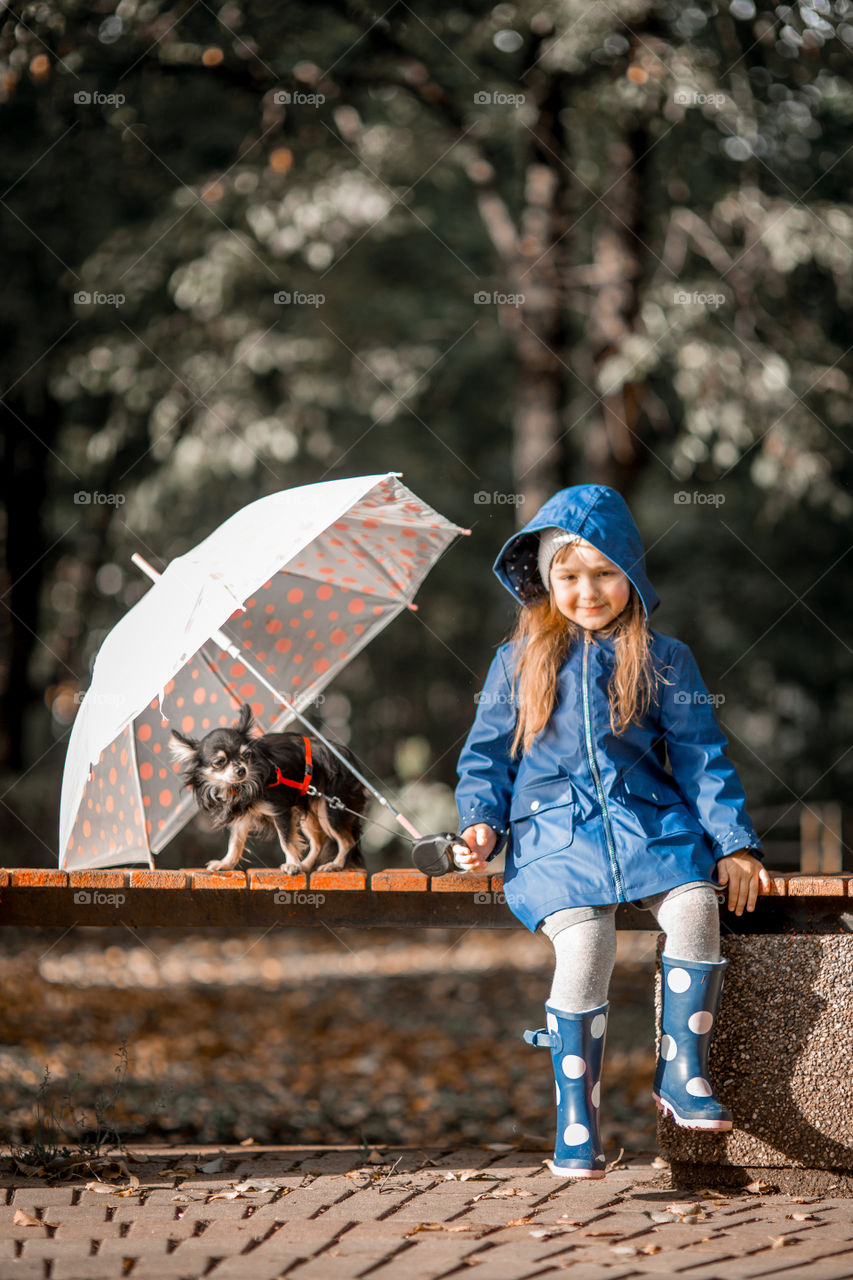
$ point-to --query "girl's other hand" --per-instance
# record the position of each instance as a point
(743, 873)
(480, 840)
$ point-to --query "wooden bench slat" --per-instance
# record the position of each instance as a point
(267, 878)
(229, 880)
(460, 882)
(351, 880)
(817, 886)
(97, 879)
(30, 877)
(159, 880)
(399, 880)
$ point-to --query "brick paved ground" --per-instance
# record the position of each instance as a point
(409, 1214)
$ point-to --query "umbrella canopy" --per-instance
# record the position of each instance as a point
(298, 583)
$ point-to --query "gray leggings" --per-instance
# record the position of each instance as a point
(584, 940)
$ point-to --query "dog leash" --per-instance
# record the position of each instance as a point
(305, 787)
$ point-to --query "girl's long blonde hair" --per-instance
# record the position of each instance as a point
(542, 640)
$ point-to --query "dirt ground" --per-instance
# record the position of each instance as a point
(367, 1037)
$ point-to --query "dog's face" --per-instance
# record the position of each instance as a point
(221, 767)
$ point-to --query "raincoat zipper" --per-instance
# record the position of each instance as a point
(596, 777)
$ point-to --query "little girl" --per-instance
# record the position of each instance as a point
(581, 714)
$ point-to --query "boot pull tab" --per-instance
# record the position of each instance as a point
(543, 1039)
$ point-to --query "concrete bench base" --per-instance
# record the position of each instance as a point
(782, 1060)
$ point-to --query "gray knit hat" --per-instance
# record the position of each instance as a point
(550, 542)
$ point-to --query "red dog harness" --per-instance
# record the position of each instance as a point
(302, 787)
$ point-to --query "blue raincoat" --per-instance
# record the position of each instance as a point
(593, 817)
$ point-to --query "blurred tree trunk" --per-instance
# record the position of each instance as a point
(534, 259)
(613, 446)
(23, 488)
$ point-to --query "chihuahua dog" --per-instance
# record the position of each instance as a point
(261, 784)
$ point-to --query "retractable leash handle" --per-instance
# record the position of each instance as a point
(436, 855)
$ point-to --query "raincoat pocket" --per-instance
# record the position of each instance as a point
(542, 819)
(651, 789)
(662, 809)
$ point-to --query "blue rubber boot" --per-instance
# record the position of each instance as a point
(690, 997)
(576, 1041)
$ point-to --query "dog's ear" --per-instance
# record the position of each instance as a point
(184, 750)
(246, 721)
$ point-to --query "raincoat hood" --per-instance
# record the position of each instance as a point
(594, 512)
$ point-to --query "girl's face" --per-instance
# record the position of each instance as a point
(588, 588)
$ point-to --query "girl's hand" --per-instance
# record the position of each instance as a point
(480, 840)
(743, 874)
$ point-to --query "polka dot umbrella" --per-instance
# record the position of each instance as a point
(266, 610)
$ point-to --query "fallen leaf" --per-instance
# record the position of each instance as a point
(624, 1250)
(234, 1194)
(801, 1217)
(213, 1166)
(252, 1186)
(660, 1163)
(650, 1248)
(110, 1188)
(441, 1226)
(502, 1193)
(22, 1219)
(247, 1142)
(680, 1207)
(376, 1156)
(658, 1215)
(520, 1222)
(759, 1188)
(779, 1242)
